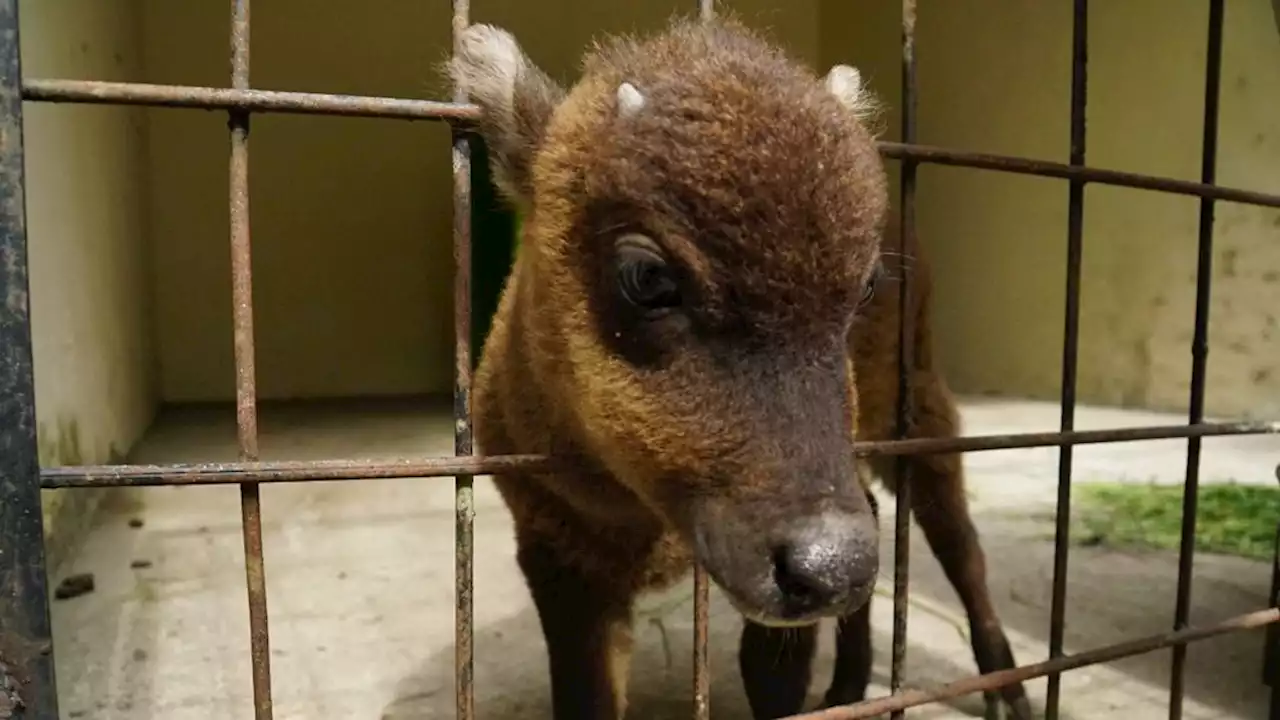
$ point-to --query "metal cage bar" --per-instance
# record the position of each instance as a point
(701, 583)
(464, 505)
(427, 467)
(27, 684)
(246, 375)
(906, 361)
(1199, 351)
(1070, 344)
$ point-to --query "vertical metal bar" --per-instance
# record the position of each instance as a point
(28, 689)
(1271, 653)
(464, 507)
(1199, 350)
(701, 584)
(701, 659)
(906, 363)
(246, 376)
(1070, 344)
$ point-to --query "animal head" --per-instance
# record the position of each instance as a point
(702, 218)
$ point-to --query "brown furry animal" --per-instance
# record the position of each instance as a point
(690, 329)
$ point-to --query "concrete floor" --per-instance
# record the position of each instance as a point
(360, 583)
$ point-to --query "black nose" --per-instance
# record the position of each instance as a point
(824, 561)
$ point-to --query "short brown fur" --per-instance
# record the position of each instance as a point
(694, 434)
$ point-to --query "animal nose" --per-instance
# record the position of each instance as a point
(823, 562)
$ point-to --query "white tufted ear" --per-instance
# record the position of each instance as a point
(517, 98)
(630, 100)
(845, 82)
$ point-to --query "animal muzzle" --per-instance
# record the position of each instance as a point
(792, 537)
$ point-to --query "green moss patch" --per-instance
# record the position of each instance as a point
(1232, 519)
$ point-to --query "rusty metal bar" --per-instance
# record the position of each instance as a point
(464, 494)
(275, 101)
(1199, 353)
(246, 382)
(1070, 345)
(876, 707)
(701, 583)
(1271, 651)
(701, 656)
(329, 470)
(1044, 168)
(28, 688)
(906, 362)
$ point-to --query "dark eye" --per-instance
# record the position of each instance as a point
(644, 277)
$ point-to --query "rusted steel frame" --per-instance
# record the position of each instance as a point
(273, 101)
(1045, 168)
(28, 689)
(246, 382)
(906, 361)
(276, 101)
(464, 493)
(1271, 651)
(876, 707)
(701, 583)
(1070, 346)
(329, 470)
(1199, 353)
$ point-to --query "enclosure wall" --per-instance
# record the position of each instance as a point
(995, 77)
(95, 376)
(351, 217)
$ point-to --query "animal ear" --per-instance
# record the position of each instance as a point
(516, 97)
(845, 82)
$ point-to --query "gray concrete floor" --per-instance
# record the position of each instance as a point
(360, 585)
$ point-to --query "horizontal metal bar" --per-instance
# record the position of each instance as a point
(1045, 168)
(447, 466)
(208, 98)
(994, 680)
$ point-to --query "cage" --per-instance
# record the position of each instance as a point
(336, 344)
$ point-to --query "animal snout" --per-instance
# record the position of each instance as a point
(825, 563)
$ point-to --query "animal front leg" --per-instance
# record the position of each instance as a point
(775, 664)
(588, 634)
(853, 659)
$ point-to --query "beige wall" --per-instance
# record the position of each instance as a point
(995, 76)
(94, 371)
(351, 217)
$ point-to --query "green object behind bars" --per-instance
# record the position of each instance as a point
(494, 233)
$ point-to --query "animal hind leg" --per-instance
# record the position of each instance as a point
(940, 507)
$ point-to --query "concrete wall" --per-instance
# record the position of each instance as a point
(995, 76)
(94, 370)
(351, 217)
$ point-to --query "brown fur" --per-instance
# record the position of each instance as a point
(722, 430)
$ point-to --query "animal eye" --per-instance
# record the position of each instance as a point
(644, 277)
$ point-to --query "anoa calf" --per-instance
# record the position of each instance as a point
(692, 329)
